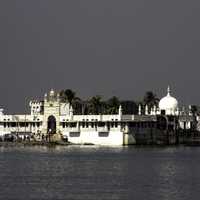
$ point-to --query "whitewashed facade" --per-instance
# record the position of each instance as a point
(51, 116)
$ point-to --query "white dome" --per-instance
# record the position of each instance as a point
(168, 103)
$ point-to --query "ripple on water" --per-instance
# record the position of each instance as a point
(93, 172)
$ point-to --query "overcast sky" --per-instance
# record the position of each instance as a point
(107, 47)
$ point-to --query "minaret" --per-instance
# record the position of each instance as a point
(151, 111)
(190, 110)
(71, 112)
(139, 110)
(183, 110)
(45, 97)
(52, 95)
(120, 112)
(146, 110)
(154, 109)
(1, 111)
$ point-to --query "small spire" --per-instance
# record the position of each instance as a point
(146, 109)
(45, 97)
(52, 93)
(120, 107)
(168, 90)
(140, 109)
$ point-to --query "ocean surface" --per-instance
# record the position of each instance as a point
(98, 173)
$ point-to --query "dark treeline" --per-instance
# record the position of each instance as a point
(97, 105)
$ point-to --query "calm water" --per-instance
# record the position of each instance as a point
(94, 173)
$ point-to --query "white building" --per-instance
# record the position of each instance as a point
(51, 118)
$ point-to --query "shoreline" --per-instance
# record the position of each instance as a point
(52, 144)
(34, 143)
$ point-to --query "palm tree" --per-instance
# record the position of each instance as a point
(63, 97)
(113, 105)
(150, 99)
(68, 96)
(194, 110)
(95, 105)
(129, 107)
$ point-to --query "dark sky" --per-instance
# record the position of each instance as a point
(107, 47)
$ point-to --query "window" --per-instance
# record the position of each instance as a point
(162, 112)
(73, 124)
(74, 134)
(103, 134)
(101, 124)
(13, 124)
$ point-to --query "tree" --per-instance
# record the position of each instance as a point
(63, 97)
(69, 95)
(113, 105)
(195, 110)
(95, 105)
(150, 99)
(129, 107)
(77, 107)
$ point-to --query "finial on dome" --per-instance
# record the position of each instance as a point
(168, 90)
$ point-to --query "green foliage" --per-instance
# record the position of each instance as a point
(129, 107)
(96, 104)
(113, 105)
(150, 99)
(195, 110)
(68, 96)
(63, 97)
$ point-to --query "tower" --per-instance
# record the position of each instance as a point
(51, 120)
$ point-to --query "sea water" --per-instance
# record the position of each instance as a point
(98, 173)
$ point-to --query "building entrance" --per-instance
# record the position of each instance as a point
(51, 125)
